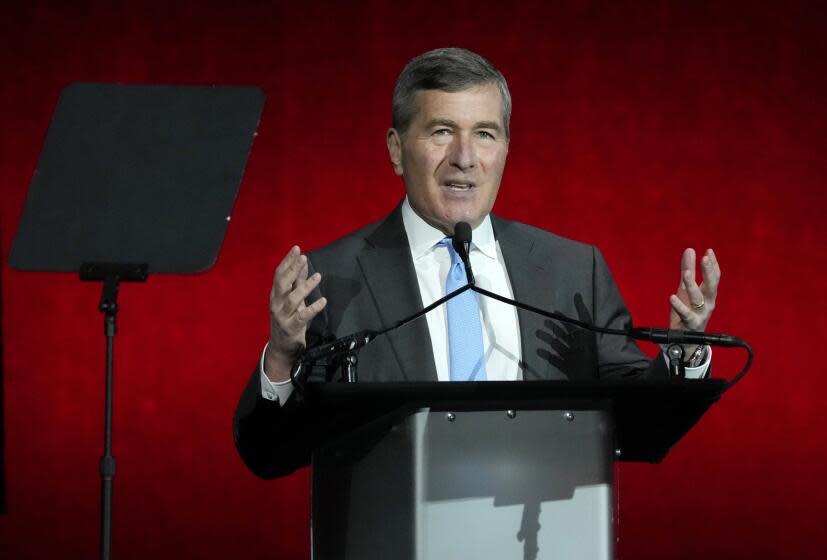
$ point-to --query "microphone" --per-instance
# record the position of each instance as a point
(462, 245)
(343, 345)
(672, 336)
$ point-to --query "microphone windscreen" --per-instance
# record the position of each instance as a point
(462, 235)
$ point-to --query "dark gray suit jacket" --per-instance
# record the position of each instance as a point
(369, 280)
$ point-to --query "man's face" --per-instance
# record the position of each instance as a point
(452, 156)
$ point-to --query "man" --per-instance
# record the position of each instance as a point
(449, 142)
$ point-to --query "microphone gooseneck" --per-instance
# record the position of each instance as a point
(461, 242)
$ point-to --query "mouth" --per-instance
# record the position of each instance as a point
(458, 186)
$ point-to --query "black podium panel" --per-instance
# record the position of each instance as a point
(649, 418)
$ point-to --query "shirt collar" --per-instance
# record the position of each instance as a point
(423, 237)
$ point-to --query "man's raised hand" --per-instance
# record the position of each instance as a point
(692, 305)
(289, 315)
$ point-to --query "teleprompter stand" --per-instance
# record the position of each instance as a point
(134, 180)
(488, 469)
(111, 275)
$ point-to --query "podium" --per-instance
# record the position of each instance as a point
(486, 470)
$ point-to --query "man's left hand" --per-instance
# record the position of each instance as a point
(692, 305)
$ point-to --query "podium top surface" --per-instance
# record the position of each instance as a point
(649, 418)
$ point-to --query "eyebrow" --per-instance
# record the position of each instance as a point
(493, 125)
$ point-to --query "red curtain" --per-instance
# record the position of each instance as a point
(641, 127)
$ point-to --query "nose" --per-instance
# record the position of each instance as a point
(461, 154)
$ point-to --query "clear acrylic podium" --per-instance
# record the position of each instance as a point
(486, 470)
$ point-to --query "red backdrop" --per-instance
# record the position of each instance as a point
(642, 127)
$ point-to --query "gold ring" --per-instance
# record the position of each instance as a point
(699, 306)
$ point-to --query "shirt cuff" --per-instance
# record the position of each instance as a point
(280, 391)
(693, 372)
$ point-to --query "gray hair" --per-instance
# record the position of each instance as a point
(449, 69)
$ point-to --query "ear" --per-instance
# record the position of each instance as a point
(395, 150)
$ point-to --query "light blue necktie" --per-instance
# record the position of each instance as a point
(464, 328)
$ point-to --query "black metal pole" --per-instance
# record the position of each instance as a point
(109, 307)
(111, 274)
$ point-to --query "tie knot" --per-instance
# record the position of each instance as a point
(451, 251)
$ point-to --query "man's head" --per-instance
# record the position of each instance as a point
(449, 141)
(450, 70)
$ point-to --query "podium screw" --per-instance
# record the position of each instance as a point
(569, 416)
(511, 413)
(450, 417)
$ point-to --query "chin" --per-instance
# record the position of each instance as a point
(463, 214)
(473, 218)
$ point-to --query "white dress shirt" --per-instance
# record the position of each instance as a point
(500, 333)
(501, 330)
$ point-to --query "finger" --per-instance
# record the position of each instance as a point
(284, 282)
(686, 315)
(307, 314)
(283, 266)
(687, 264)
(688, 260)
(289, 317)
(300, 291)
(711, 254)
(681, 291)
(694, 295)
(711, 274)
(301, 276)
(287, 261)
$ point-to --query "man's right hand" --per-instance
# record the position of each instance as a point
(289, 315)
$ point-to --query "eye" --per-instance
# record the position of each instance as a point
(441, 131)
(486, 135)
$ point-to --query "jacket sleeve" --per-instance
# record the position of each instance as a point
(273, 439)
(618, 357)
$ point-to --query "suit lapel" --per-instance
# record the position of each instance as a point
(531, 282)
(389, 273)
